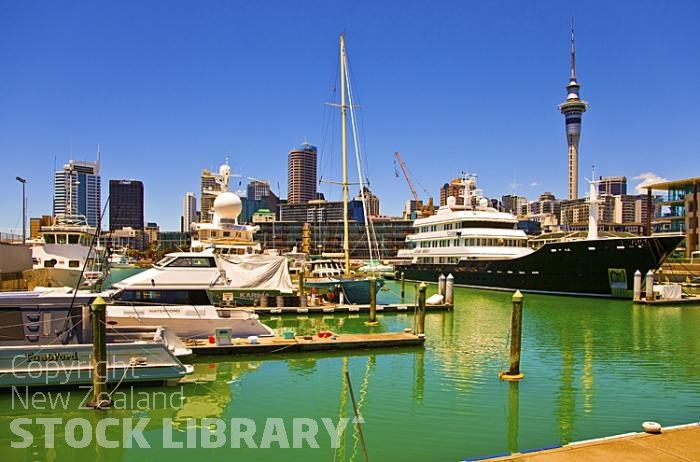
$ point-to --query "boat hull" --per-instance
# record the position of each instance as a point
(601, 267)
(53, 365)
(60, 277)
(354, 291)
(188, 321)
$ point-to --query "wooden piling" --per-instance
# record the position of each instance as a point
(372, 302)
(515, 340)
(100, 397)
(421, 308)
(300, 280)
(441, 285)
(403, 285)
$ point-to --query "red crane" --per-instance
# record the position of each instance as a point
(425, 210)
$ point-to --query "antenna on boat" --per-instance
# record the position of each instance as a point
(593, 202)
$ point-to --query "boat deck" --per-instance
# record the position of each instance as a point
(308, 343)
(673, 444)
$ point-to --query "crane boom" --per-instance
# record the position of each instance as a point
(404, 169)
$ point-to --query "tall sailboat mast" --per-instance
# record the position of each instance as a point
(343, 109)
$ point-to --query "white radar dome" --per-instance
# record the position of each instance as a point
(228, 205)
(483, 202)
(451, 201)
(225, 170)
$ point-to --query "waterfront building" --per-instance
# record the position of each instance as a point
(679, 210)
(612, 185)
(572, 109)
(207, 184)
(189, 211)
(302, 174)
(124, 238)
(371, 201)
(514, 204)
(151, 230)
(173, 241)
(319, 210)
(125, 204)
(258, 196)
(77, 190)
(327, 236)
(451, 189)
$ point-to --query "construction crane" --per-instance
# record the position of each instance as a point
(425, 210)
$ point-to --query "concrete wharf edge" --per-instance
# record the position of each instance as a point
(673, 444)
(311, 343)
(329, 309)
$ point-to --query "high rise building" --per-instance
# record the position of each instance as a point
(208, 189)
(125, 204)
(189, 211)
(302, 174)
(77, 190)
(612, 185)
(453, 189)
(573, 108)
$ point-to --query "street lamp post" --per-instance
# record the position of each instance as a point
(24, 209)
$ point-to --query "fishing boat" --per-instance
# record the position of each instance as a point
(46, 340)
(177, 292)
(66, 254)
(482, 247)
(354, 289)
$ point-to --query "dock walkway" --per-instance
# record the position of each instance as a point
(673, 444)
(336, 308)
(309, 343)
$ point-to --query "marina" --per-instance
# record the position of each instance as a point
(594, 368)
(297, 304)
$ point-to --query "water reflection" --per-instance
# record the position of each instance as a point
(593, 368)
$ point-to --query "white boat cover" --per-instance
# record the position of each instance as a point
(263, 272)
(257, 272)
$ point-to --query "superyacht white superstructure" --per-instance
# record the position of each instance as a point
(472, 230)
(224, 234)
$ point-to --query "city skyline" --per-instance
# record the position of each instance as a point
(453, 86)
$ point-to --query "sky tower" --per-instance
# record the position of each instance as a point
(572, 109)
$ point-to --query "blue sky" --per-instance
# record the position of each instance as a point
(166, 88)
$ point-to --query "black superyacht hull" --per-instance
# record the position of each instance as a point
(600, 267)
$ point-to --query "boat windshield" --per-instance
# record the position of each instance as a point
(187, 262)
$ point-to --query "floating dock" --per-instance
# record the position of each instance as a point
(336, 308)
(673, 444)
(686, 300)
(328, 342)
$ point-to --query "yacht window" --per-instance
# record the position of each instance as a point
(73, 264)
(164, 261)
(60, 238)
(50, 238)
(73, 238)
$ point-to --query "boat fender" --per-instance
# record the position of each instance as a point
(651, 427)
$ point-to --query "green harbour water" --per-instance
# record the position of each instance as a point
(593, 368)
